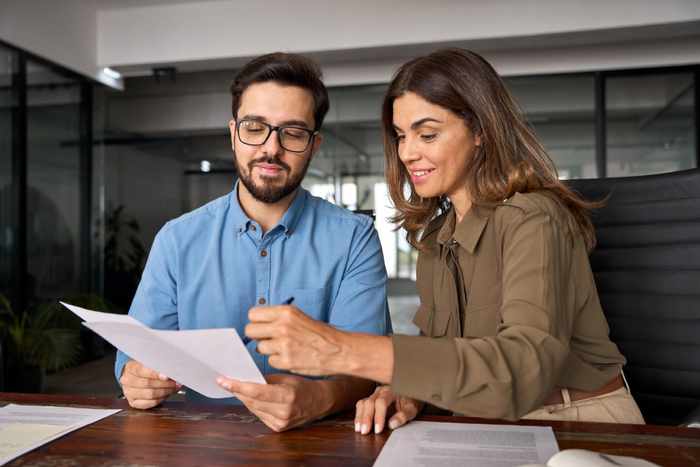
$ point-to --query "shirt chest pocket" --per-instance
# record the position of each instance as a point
(430, 323)
(313, 302)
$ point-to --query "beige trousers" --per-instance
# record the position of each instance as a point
(614, 407)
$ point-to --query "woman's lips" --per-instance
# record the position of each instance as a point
(420, 175)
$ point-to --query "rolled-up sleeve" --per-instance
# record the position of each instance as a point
(511, 373)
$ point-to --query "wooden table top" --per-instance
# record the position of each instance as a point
(178, 433)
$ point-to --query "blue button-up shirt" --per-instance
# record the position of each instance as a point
(207, 268)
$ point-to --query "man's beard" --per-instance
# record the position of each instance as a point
(267, 192)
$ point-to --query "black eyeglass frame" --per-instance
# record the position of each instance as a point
(272, 128)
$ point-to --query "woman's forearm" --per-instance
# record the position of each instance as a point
(364, 356)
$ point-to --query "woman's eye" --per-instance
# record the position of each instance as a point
(400, 138)
(428, 137)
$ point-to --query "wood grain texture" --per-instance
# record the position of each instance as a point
(181, 434)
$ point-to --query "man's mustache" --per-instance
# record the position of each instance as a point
(268, 160)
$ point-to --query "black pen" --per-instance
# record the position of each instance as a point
(288, 301)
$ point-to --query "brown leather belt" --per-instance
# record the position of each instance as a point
(576, 394)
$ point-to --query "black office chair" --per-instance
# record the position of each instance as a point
(647, 270)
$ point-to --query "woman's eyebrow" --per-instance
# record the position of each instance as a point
(423, 121)
(418, 123)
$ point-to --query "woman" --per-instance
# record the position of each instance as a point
(510, 318)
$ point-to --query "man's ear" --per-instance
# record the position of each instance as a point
(232, 130)
(318, 139)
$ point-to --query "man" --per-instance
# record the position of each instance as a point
(268, 242)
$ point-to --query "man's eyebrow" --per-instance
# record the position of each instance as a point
(300, 123)
(418, 123)
(293, 122)
(257, 118)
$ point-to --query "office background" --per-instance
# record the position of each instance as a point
(113, 113)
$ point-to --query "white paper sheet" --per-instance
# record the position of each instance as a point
(194, 358)
(26, 427)
(435, 444)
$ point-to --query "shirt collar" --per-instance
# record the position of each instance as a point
(238, 216)
(293, 214)
(288, 222)
(468, 232)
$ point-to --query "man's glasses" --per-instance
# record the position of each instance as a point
(291, 138)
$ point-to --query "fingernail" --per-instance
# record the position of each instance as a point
(357, 427)
(377, 429)
(219, 380)
(365, 429)
(162, 377)
(393, 424)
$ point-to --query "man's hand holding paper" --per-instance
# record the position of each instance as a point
(287, 401)
(145, 388)
(194, 358)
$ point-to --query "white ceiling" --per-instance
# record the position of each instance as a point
(359, 41)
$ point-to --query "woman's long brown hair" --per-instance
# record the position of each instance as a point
(510, 159)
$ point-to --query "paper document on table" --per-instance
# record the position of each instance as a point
(26, 427)
(194, 358)
(427, 444)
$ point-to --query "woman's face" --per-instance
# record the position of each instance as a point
(434, 144)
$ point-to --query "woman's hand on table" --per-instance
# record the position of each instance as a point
(373, 410)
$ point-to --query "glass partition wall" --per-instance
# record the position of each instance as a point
(8, 209)
(45, 150)
(650, 123)
(53, 184)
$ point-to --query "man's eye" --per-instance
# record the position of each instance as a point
(428, 136)
(253, 126)
(295, 133)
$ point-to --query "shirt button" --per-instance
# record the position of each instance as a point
(261, 301)
(263, 253)
(252, 227)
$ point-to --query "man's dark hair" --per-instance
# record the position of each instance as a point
(288, 69)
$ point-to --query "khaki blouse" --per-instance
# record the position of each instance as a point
(529, 318)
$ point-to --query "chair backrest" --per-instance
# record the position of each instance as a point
(647, 270)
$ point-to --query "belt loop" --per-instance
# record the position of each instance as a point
(566, 397)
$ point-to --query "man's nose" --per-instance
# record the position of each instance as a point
(272, 146)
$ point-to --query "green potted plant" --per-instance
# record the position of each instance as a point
(124, 257)
(34, 343)
(92, 345)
